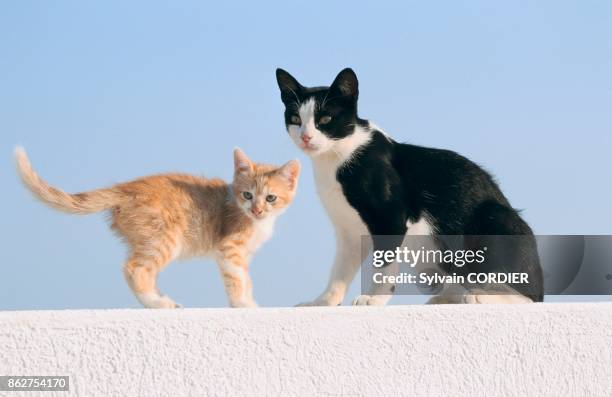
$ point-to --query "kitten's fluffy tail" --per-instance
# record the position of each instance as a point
(80, 203)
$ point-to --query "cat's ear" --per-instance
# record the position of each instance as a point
(291, 172)
(242, 164)
(345, 84)
(288, 85)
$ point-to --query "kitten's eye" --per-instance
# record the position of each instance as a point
(247, 195)
(270, 198)
(296, 120)
(324, 120)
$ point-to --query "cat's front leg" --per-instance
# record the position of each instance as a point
(378, 295)
(386, 236)
(346, 263)
(238, 286)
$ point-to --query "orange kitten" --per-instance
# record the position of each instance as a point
(172, 216)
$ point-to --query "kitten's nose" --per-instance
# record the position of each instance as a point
(256, 211)
(306, 138)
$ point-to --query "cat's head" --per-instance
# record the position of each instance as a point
(263, 190)
(317, 118)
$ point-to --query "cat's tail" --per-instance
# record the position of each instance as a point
(80, 203)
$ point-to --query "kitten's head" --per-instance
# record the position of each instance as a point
(263, 190)
(318, 117)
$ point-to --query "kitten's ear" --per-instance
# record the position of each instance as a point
(242, 164)
(346, 84)
(291, 172)
(288, 85)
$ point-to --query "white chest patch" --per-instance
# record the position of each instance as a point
(262, 231)
(420, 228)
(344, 217)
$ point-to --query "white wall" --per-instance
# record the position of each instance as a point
(523, 350)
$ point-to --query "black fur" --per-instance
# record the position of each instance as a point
(389, 183)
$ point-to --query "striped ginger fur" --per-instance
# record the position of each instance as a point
(166, 217)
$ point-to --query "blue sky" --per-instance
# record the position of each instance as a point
(103, 92)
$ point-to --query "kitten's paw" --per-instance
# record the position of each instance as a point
(245, 303)
(167, 303)
(371, 300)
(156, 301)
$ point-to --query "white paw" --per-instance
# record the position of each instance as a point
(495, 299)
(445, 299)
(167, 303)
(470, 299)
(315, 302)
(244, 303)
(371, 300)
(321, 302)
(155, 301)
(327, 299)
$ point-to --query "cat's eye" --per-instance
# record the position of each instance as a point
(247, 195)
(324, 120)
(295, 119)
(270, 198)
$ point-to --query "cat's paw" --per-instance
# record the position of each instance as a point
(471, 299)
(167, 303)
(371, 300)
(156, 301)
(445, 299)
(494, 299)
(244, 303)
(315, 302)
(320, 302)
(327, 299)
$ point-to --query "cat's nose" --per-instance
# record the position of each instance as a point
(306, 138)
(256, 211)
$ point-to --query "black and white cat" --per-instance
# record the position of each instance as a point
(371, 185)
